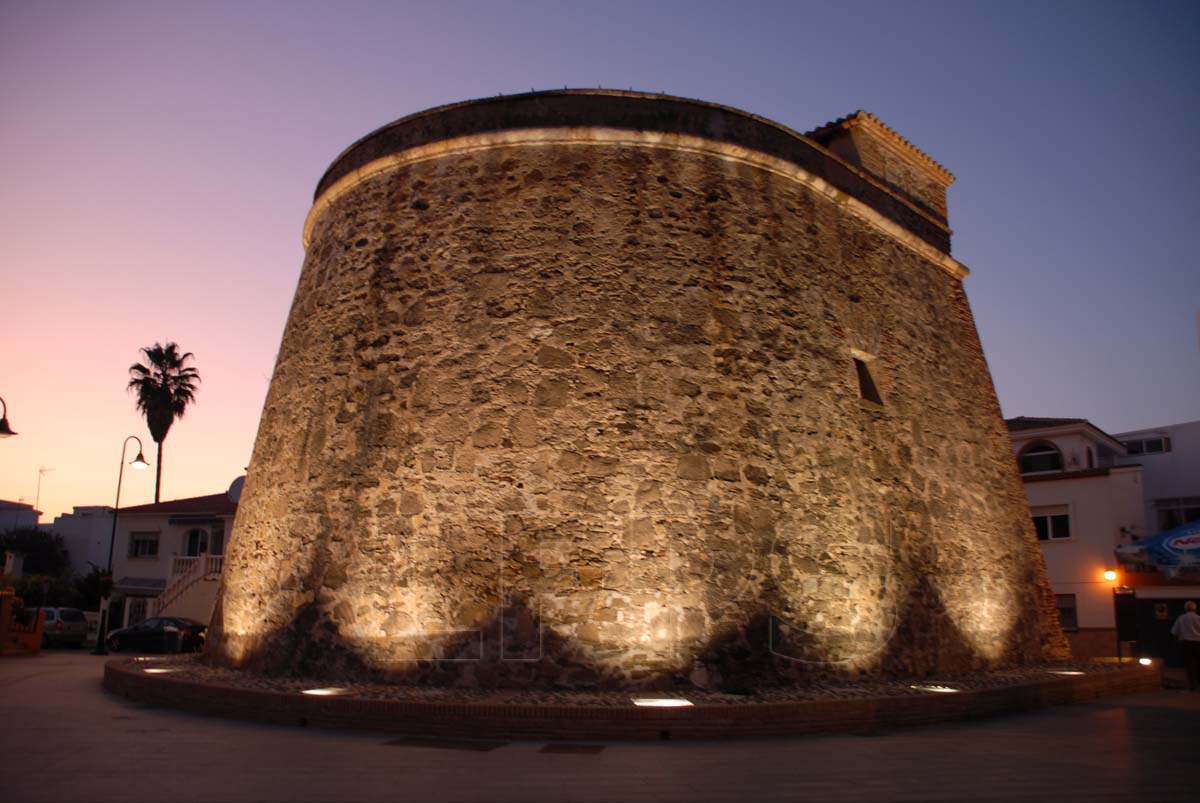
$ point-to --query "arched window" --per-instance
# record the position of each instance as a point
(195, 543)
(1040, 456)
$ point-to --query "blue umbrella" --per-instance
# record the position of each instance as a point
(1171, 551)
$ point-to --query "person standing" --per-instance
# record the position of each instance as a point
(1186, 631)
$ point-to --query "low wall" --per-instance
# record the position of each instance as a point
(1095, 642)
(520, 721)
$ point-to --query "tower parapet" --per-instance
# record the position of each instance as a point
(872, 146)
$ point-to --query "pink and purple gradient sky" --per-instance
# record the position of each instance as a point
(158, 160)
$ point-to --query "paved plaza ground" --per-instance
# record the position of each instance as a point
(65, 738)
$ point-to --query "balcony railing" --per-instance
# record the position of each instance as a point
(206, 564)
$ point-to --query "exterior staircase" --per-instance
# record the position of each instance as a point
(188, 576)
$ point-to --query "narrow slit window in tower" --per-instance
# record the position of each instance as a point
(866, 385)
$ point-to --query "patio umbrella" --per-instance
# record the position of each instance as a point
(1172, 551)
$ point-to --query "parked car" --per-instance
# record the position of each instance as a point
(165, 633)
(64, 626)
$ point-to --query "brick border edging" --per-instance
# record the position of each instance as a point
(483, 720)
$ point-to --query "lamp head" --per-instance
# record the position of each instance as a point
(5, 430)
(139, 462)
(1110, 575)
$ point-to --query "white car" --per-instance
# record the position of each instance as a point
(64, 626)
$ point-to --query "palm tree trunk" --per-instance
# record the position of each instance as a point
(158, 473)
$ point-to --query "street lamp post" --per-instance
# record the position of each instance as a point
(139, 463)
(5, 430)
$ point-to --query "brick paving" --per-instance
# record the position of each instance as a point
(64, 738)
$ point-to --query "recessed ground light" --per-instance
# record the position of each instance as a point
(1065, 672)
(158, 670)
(938, 689)
(661, 702)
(332, 691)
(1145, 661)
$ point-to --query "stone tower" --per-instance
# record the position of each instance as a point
(597, 388)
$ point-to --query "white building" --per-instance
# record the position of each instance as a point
(86, 532)
(17, 516)
(1083, 507)
(1090, 492)
(168, 556)
(1170, 460)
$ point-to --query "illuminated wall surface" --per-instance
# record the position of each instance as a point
(576, 390)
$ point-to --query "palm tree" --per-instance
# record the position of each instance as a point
(165, 387)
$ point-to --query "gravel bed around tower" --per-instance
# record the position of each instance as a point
(191, 668)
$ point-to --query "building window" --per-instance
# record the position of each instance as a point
(1067, 615)
(1173, 512)
(195, 543)
(1148, 446)
(1040, 457)
(143, 545)
(866, 384)
(1052, 523)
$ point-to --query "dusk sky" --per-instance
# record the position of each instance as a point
(158, 161)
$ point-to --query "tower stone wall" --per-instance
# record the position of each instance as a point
(575, 390)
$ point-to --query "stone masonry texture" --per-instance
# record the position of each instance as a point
(558, 409)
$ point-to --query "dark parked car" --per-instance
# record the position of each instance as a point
(64, 626)
(165, 633)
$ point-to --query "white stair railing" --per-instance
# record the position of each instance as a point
(183, 565)
(193, 570)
